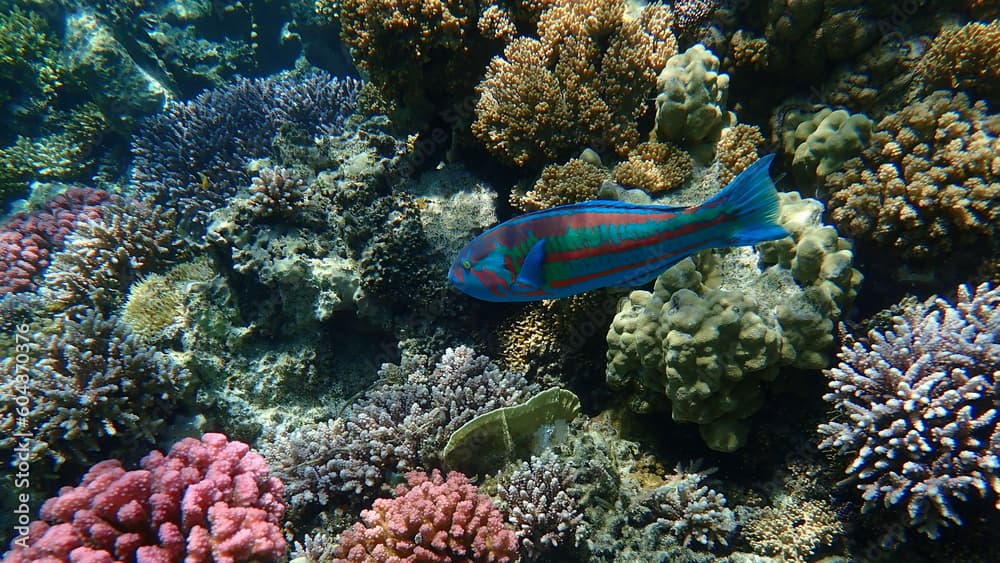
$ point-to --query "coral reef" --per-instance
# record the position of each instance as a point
(821, 142)
(718, 325)
(654, 168)
(206, 500)
(431, 519)
(738, 147)
(918, 409)
(575, 181)
(691, 99)
(929, 182)
(393, 428)
(691, 510)
(539, 502)
(27, 240)
(793, 528)
(582, 83)
(193, 156)
(158, 306)
(965, 59)
(96, 389)
(101, 258)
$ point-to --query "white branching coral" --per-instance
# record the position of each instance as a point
(919, 406)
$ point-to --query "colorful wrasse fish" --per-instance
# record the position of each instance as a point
(574, 248)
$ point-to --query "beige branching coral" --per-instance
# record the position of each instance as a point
(584, 82)
(966, 58)
(737, 149)
(654, 168)
(928, 183)
(560, 184)
(793, 528)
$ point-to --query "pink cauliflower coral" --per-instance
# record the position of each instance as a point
(431, 520)
(207, 500)
(27, 239)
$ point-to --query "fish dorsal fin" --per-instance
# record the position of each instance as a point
(530, 276)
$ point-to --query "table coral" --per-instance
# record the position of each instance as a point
(432, 519)
(917, 409)
(929, 182)
(207, 500)
(966, 59)
(583, 82)
(717, 326)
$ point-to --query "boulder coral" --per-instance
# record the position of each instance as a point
(929, 182)
(719, 324)
(691, 98)
(822, 141)
(583, 83)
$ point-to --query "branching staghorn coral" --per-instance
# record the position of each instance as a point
(395, 428)
(918, 409)
(96, 391)
(583, 83)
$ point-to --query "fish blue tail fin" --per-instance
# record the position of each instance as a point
(753, 202)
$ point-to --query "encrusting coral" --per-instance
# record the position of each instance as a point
(583, 83)
(917, 409)
(929, 182)
(717, 326)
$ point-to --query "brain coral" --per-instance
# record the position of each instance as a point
(717, 325)
(928, 183)
(917, 409)
(583, 82)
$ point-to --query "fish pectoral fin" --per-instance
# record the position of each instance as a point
(530, 276)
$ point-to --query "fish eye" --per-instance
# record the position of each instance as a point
(467, 264)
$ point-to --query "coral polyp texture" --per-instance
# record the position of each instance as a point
(584, 82)
(928, 184)
(821, 142)
(560, 184)
(967, 59)
(207, 500)
(691, 98)
(717, 326)
(193, 156)
(432, 519)
(394, 428)
(27, 240)
(97, 388)
(917, 409)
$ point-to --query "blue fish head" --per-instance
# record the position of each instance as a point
(480, 272)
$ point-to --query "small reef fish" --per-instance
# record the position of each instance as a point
(570, 249)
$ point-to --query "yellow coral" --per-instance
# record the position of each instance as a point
(560, 184)
(654, 168)
(584, 82)
(966, 58)
(737, 149)
(929, 181)
(157, 304)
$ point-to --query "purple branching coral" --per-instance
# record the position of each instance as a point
(193, 156)
(540, 503)
(95, 391)
(394, 428)
(918, 408)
